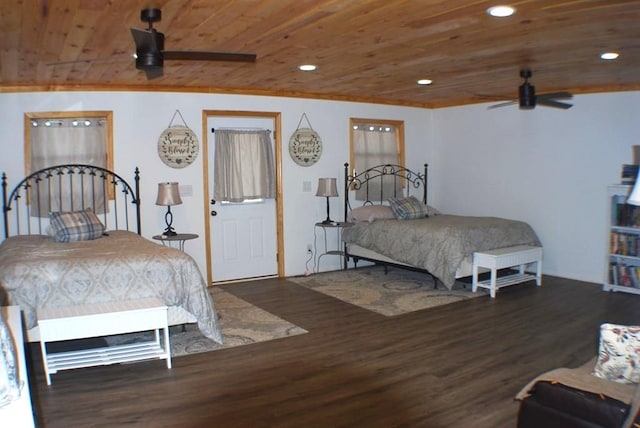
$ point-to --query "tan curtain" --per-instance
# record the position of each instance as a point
(375, 145)
(64, 141)
(244, 165)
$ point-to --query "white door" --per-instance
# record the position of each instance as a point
(243, 235)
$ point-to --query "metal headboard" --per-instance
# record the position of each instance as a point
(99, 182)
(407, 179)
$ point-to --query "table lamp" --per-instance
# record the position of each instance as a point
(327, 187)
(168, 195)
(634, 196)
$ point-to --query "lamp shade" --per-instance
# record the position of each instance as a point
(168, 194)
(634, 196)
(327, 187)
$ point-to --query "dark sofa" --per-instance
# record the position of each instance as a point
(575, 398)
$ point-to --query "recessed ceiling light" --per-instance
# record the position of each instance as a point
(501, 11)
(610, 55)
(425, 82)
(307, 67)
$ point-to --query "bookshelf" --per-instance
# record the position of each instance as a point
(622, 272)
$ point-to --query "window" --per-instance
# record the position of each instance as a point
(375, 142)
(244, 166)
(55, 138)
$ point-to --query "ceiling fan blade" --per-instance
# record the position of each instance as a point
(491, 96)
(153, 73)
(209, 56)
(145, 40)
(552, 103)
(556, 95)
(508, 103)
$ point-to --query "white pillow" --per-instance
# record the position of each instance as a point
(370, 213)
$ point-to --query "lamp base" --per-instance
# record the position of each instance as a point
(168, 219)
(328, 221)
(169, 232)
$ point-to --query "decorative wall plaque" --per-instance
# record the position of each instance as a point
(305, 145)
(178, 145)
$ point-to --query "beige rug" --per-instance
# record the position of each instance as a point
(241, 323)
(398, 292)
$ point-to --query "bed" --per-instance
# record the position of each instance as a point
(391, 223)
(76, 254)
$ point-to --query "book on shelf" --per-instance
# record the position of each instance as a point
(624, 275)
(626, 215)
(629, 173)
(625, 244)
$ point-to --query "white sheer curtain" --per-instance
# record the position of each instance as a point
(375, 145)
(244, 165)
(59, 141)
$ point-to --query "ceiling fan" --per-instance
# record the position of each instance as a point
(150, 53)
(528, 98)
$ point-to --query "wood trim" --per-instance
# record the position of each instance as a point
(291, 94)
(213, 90)
(277, 137)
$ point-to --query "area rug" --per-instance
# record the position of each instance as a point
(241, 323)
(397, 292)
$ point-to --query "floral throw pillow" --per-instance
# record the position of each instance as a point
(619, 353)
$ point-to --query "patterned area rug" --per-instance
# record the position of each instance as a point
(398, 292)
(241, 322)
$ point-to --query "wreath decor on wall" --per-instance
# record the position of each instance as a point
(178, 145)
(305, 145)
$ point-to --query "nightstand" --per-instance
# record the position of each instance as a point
(180, 238)
(338, 250)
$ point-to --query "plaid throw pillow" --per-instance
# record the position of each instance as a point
(407, 208)
(75, 226)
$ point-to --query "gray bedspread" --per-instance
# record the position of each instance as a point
(439, 243)
(36, 272)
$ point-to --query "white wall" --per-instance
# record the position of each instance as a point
(548, 167)
(140, 118)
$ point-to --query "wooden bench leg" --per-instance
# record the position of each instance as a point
(492, 289)
(474, 280)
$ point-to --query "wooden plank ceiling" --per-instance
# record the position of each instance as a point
(371, 51)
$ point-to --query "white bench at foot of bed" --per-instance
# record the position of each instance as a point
(501, 258)
(103, 319)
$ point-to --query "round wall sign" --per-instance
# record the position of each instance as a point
(305, 146)
(178, 146)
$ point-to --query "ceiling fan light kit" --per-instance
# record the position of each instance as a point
(527, 99)
(150, 53)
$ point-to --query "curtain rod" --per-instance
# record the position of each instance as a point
(241, 129)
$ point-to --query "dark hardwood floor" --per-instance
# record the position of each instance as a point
(457, 365)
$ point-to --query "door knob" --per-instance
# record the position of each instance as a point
(214, 213)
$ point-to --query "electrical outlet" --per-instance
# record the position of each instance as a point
(309, 249)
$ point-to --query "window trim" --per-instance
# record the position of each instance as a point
(106, 115)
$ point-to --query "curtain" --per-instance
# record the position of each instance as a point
(376, 145)
(244, 165)
(63, 141)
